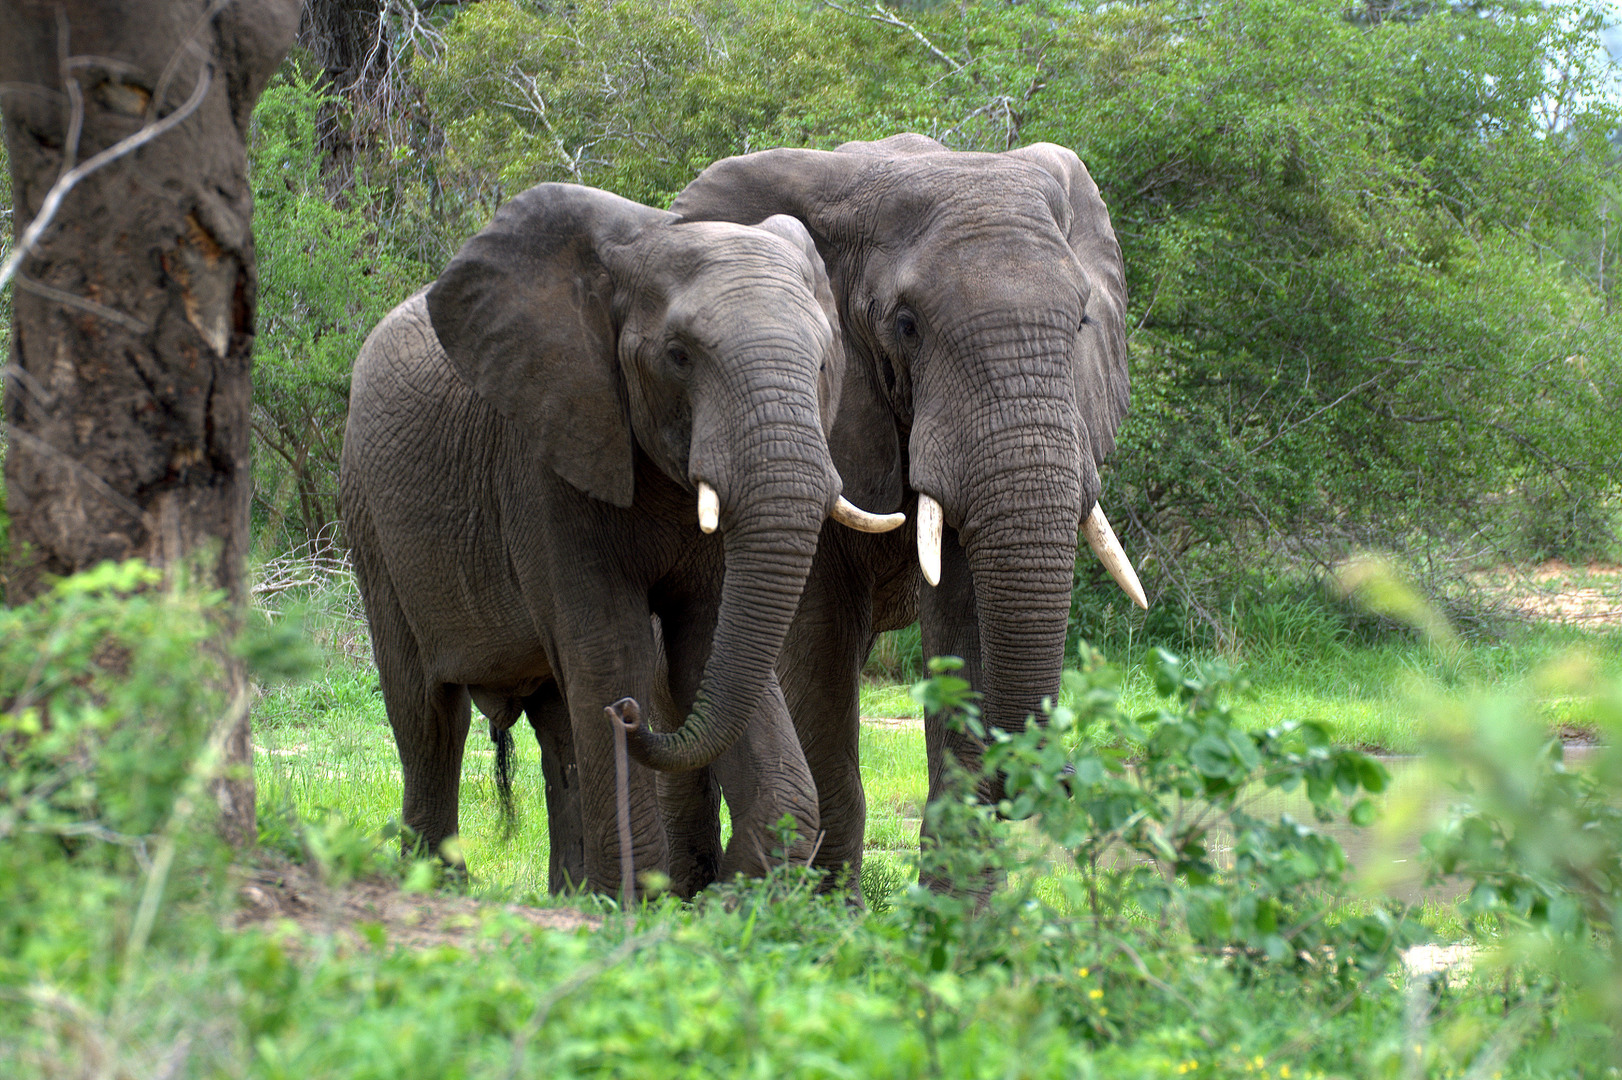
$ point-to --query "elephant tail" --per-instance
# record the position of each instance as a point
(503, 738)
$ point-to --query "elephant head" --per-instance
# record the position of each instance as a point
(618, 339)
(985, 298)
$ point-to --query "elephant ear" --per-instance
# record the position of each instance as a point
(1101, 370)
(804, 184)
(524, 311)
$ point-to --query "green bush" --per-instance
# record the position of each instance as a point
(1540, 847)
(327, 275)
(108, 695)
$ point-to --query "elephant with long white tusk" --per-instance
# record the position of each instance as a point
(983, 303)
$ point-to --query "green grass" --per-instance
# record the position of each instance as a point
(753, 979)
(325, 745)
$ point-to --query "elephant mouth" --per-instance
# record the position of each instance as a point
(844, 511)
(1100, 538)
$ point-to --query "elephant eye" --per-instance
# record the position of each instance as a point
(1086, 320)
(678, 357)
(906, 327)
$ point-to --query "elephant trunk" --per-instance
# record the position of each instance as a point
(769, 543)
(1020, 518)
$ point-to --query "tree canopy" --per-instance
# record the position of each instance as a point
(1371, 281)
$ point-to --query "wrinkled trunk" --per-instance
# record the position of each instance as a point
(1020, 499)
(769, 545)
(1023, 574)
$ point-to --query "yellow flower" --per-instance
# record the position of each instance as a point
(1284, 1072)
(1084, 972)
(1095, 993)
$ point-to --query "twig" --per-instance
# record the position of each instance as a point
(186, 803)
(885, 18)
(96, 483)
(70, 83)
(624, 716)
(67, 299)
(35, 389)
(161, 88)
(126, 145)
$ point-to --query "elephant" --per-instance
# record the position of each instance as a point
(982, 300)
(539, 447)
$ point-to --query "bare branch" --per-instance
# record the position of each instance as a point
(124, 146)
(162, 87)
(67, 299)
(96, 483)
(886, 18)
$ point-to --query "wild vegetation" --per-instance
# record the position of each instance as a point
(1162, 913)
(1373, 283)
(1369, 258)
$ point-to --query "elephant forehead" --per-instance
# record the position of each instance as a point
(959, 190)
(708, 246)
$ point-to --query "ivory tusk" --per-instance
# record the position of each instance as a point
(929, 538)
(709, 507)
(849, 514)
(1101, 538)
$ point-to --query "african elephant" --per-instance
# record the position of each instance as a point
(527, 441)
(982, 301)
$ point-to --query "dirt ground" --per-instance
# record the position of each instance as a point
(278, 893)
(1556, 591)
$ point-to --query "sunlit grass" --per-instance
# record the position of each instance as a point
(325, 746)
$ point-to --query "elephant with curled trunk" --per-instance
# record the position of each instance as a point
(982, 300)
(538, 445)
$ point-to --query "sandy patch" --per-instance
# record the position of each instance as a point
(279, 891)
(1556, 591)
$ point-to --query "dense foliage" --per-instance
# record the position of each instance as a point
(1122, 944)
(1368, 260)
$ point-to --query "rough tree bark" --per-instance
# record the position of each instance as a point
(128, 390)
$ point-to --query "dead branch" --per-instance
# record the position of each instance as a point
(887, 18)
(69, 179)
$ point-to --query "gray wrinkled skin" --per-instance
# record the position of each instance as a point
(982, 301)
(518, 479)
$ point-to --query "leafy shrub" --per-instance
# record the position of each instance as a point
(1146, 807)
(327, 275)
(104, 702)
(1539, 846)
(108, 696)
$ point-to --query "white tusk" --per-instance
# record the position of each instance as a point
(929, 538)
(709, 507)
(849, 514)
(1101, 538)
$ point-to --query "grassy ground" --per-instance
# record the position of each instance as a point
(148, 950)
(324, 746)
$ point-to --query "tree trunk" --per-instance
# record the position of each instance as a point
(128, 391)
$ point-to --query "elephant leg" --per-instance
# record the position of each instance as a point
(430, 723)
(690, 801)
(431, 738)
(820, 673)
(764, 777)
(549, 715)
(614, 662)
